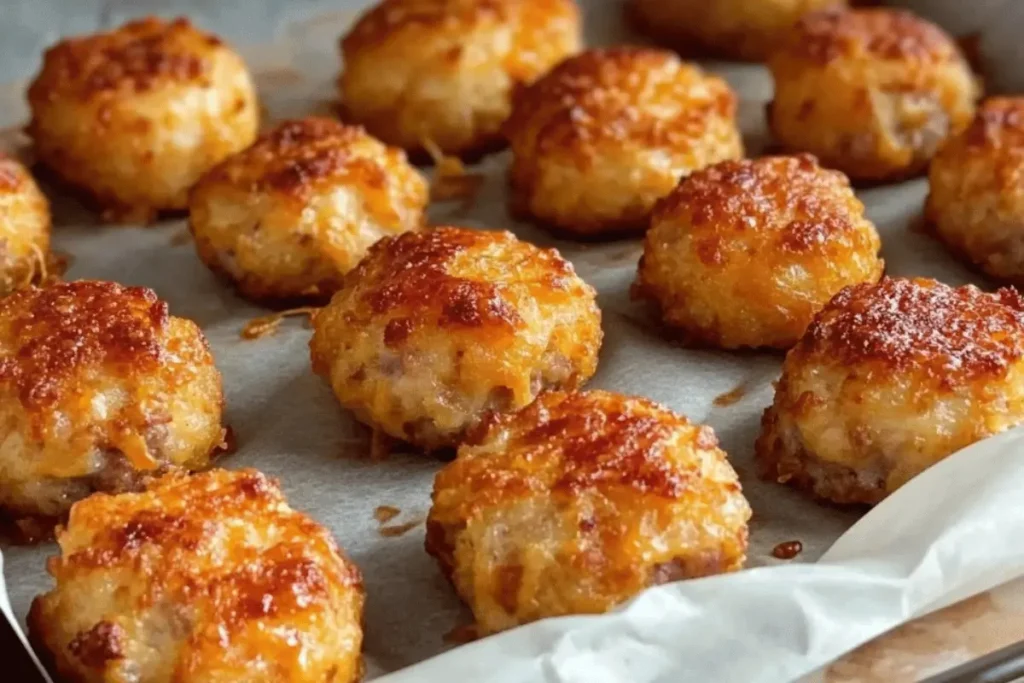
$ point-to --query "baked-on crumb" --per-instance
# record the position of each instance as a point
(579, 501)
(285, 219)
(135, 115)
(433, 329)
(606, 133)
(24, 228)
(267, 325)
(871, 92)
(100, 387)
(205, 578)
(444, 71)
(738, 29)
(976, 199)
(889, 379)
(744, 253)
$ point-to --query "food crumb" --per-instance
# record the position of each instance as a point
(451, 179)
(787, 550)
(460, 635)
(385, 513)
(399, 529)
(381, 444)
(267, 325)
(732, 396)
(228, 443)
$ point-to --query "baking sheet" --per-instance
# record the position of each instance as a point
(787, 621)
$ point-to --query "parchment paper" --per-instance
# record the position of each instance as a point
(933, 542)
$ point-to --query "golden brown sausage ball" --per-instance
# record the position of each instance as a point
(744, 253)
(433, 329)
(99, 388)
(134, 116)
(443, 71)
(889, 379)
(740, 29)
(976, 203)
(204, 578)
(871, 92)
(288, 217)
(578, 502)
(24, 227)
(601, 137)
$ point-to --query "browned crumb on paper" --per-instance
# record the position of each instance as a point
(266, 325)
(460, 635)
(732, 396)
(451, 179)
(280, 77)
(228, 443)
(385, 513)
(787, 550)
(399, 529)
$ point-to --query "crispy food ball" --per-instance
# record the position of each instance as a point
(605, 134)
(976, 202)
(99, 388)
(24, 227)
(740, 29)
(433, 329)
(288, 217)
(579, 501)
(204, 578)
(134, 116)
(744, 253)
(418, 72)
(888, 380)
(871, 92)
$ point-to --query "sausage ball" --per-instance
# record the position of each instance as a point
(601, 137)
(204, 578)
(871, 92)
(744, 253)
(433, 329)
(442, 72)
(24, 227)
(579, 501)
(889, 379)
(134, 116)
(976, 203)
(99, 388)
(740, 29)
(288, 217)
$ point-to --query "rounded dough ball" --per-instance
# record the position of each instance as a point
(442, 72)
(288, 217)
(976, 202)
(888, 380)
(433, 329)
(204, 578)
(579, 501)
(99, 388)
(605, 134)
(740, 29)
(744, 253)
(24, 228)
(871, 92)
(134, 116)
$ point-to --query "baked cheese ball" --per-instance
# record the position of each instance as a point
(286, 218)
(889, 379)
(434, 329)
(744, 253)
(134, 116)
(871, 92)
(739, 29)
(579, 501)
(976, 199)
(602, 136)
(204, 578)
(440, 73)
(24, 227)
(99, 388)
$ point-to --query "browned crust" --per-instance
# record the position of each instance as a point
(998, 124)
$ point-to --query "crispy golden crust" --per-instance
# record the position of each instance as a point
(744, 253)
(889, 379)
(134, 116)
(976, 199)
(445, 70)
(99, 386)
(211, 577)
(871, 92)
(24, 227)
(288, 217)
(577, 502)
(432, 329)
(603, 135)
